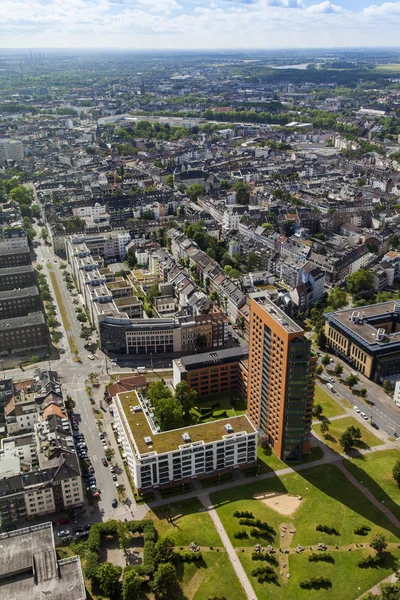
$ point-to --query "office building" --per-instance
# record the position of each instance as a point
(213, 372)
(368, 338)
(29, 567)
(23, 333)
(11, 150)
(280, 379)
(158, 460)
(17, 277)
(16, 257)
(19, 302)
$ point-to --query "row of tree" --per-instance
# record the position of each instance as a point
(171, 410)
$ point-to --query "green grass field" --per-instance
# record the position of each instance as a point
(375, 471)
(337, 427)
(330, 407)
(328, 499)
(213, 576)
(348, 580)
(230, 402)
(392, 67)
(190, 524)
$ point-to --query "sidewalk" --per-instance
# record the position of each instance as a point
(375, 590)
(233, 557)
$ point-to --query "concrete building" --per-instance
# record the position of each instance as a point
(158, 460)
(280, 379)
(16, 257)
(12, 278)
(368, 338)
(23, 333)
(11, 150)
(213, 372)
(13, 237)
(19, 302)
(29, 567)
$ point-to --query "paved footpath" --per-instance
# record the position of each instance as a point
(233, 557)
(388, 514)
(375, 590)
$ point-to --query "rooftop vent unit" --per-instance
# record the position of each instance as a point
(147, 439)
(137, 408)
(186, 437)
(355, 317)
(380, 335)
(228, 428)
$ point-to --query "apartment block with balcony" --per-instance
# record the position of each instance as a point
(158, 460)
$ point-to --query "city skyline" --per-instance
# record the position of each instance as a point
(170, 24)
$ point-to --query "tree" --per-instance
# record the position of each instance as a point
(21, 194)
(44, 234)
(52, 322)
(35, 210)
(389, 591)
(396, 472)
(109, 453)
(321, 339)
(158, 391)
(355, 432)
(168, 413)
(265, 446)
(242, 324)
(70, 403)
(388, 386)
(185, 396)
(170, 180)
(201, 342)
(338, 370)
(351, 380)
(324, 428)
(360, 282)
(194, 191)
(108, 577)
(319, 370)
(85, 333)
(252, 260)
(163, 551)
(336, 298)
(363, 392)
(165, 584)
(149, 215)
(131, 583)
(325, 360)
(346, 441)
(317, 410)
(378, 543)
(92, 565)
(82, 318)
(123, 535)
(152, 293)
(242, 192)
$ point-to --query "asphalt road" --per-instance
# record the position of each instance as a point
(386, 416)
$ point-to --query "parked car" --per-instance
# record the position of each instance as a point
(90, 356)
(115, 478)
(77, 529)
(62, 521)
(356, 409)
(64, 533)
(114, 503)
(104, 461)
(374, 425)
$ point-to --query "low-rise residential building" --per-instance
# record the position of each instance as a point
(158, 460)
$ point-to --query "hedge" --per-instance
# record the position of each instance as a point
(363, 530)
(243, 514)
(264, 574)
(241, 535)
(188, 557)
(315, 582)
(324, 556)
(326, 529)
(370, 561)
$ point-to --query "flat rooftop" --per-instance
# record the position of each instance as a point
(34, 547)
(169, 441)
(19, 293)
(363, 323)
(208, 359)
(16, 270)
(35, 318)
(276, 313)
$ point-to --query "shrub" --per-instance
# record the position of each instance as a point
(264, 557)
(257, 523)
(92, 565)
(241, 535)
(363, 530)
(205, 409)
(370, 561)
(220, 414)
(316, 582)
(326, 529)
(264, 574)
(321, 557)
(188, 557)
(243, 514)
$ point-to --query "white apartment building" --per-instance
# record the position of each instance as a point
(11, 150)
(174, 457)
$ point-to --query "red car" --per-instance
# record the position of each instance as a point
(62, 521)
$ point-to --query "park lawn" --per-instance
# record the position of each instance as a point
(337, 427)
(328, 499)
(268, 462)
(375, 471)
(392, 67)
(330, 407)
(212, 576)
(191, 523)
(345, 575)
(224, 401)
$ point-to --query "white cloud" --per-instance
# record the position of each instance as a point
(325, 8)
(386, 9)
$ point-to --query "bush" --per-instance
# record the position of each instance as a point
(243, 514)
(241, 535)
(363, 530)
(326, 529)
(370, 561)
(188, 557)
(220, 414)
(264, 557)
(321, 557)
(264, 574)
(257, 523)
(316, 582)
(91, 566)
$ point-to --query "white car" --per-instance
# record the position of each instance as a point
(90, 357)
(356, 409)
(64, 533)
(104, 443)
(364, 416)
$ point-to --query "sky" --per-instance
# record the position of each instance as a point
(212, 24)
